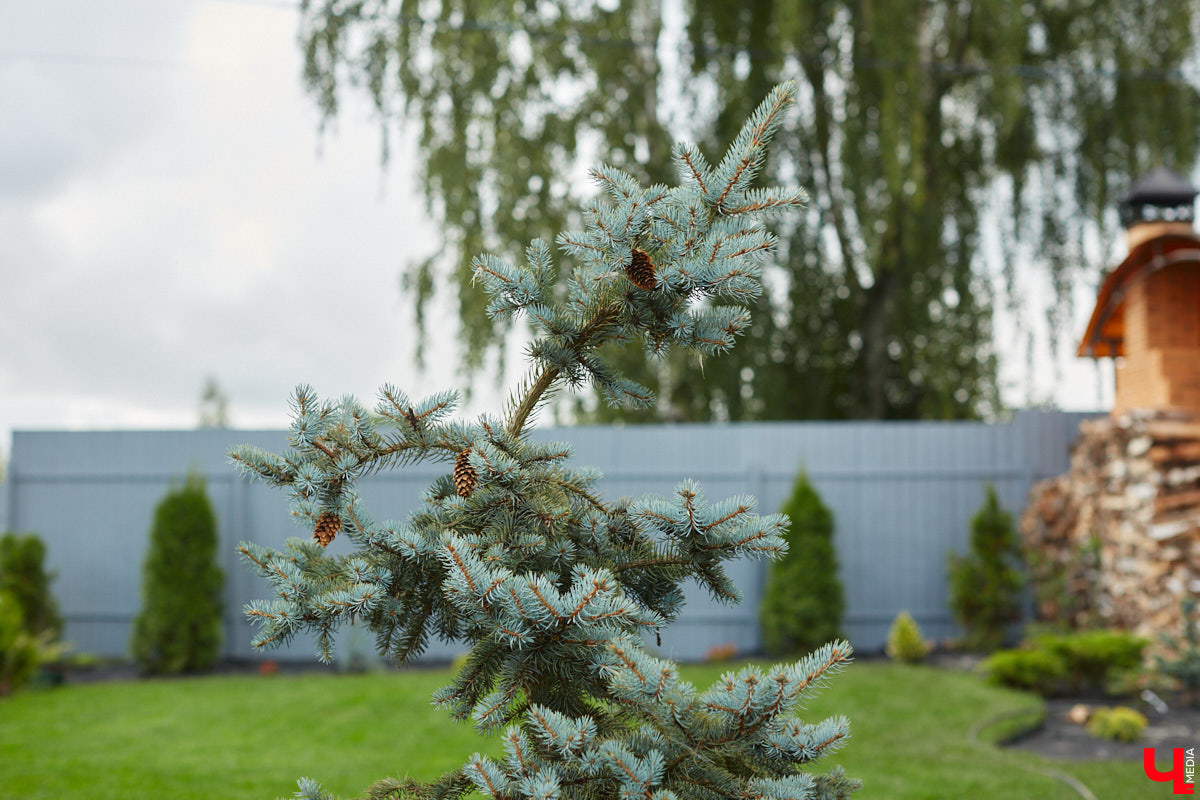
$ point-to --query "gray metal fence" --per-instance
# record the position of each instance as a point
(902, 495)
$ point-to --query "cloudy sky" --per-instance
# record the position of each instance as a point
(168, 211)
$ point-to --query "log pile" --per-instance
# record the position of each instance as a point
(1116, 541)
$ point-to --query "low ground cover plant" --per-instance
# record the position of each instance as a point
(1120, 724)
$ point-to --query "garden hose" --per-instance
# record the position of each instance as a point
(1048, 772)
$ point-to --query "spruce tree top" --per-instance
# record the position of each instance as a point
(517, 554)
(992, 534)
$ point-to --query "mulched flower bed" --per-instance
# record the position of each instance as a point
(1060, 738)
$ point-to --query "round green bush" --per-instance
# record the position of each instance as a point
(904, 642)
(1120, 724)
(1036, 670)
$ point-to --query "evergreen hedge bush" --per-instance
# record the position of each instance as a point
(23, 574)
(803, 603)
(985, 584)
(179, 627)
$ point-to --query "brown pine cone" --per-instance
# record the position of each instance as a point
(328, 526)
(465, 476)
(641, 270)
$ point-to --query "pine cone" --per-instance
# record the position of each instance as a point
(465, 477)
(328, 526)
(641, 270)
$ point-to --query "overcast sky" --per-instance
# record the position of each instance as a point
(169, 211)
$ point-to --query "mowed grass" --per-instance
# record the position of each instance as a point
(251, 737)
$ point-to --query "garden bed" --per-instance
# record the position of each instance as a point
(1059, 738)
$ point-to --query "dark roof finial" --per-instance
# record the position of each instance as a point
(1159, 195)
(1161, 187)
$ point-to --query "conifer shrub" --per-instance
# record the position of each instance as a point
(515, 553)
(802, 602)
(1181, 661)
(1120, 724)
(179, 627)
(1066, 591)
(18, 648)
(904, 641)
(1030, 669)
(23, 574)
(1067, 663)
(1094, 658)
(985, 584)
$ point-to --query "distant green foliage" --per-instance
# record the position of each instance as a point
(23, 573)
(179, 627)
(1094, 657)
(904, 642)
(1034, 670)
(802, 604)
(18, 649)
(1184, 666)
(1120, 724)
(1066, 589)
(1053, 664)
(985, 584)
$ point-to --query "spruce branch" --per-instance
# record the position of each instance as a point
(517, 554)
(585, 340)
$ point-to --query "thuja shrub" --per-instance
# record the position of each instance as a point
(985, 584)
(905, 642)
(179, 627)
(802, 603)
(23, 574)
(514, 552)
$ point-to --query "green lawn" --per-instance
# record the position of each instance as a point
(251, 737)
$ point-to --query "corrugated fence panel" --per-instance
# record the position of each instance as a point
(902, 496)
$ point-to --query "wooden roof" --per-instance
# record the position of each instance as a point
(1105, 336)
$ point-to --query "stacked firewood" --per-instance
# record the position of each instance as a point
(1116, 541)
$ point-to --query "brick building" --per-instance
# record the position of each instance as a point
(1147, 313)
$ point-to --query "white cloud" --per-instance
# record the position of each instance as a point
(180, 223)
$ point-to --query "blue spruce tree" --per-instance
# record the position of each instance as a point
(514, 552)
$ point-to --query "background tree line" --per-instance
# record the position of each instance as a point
(922, 124)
